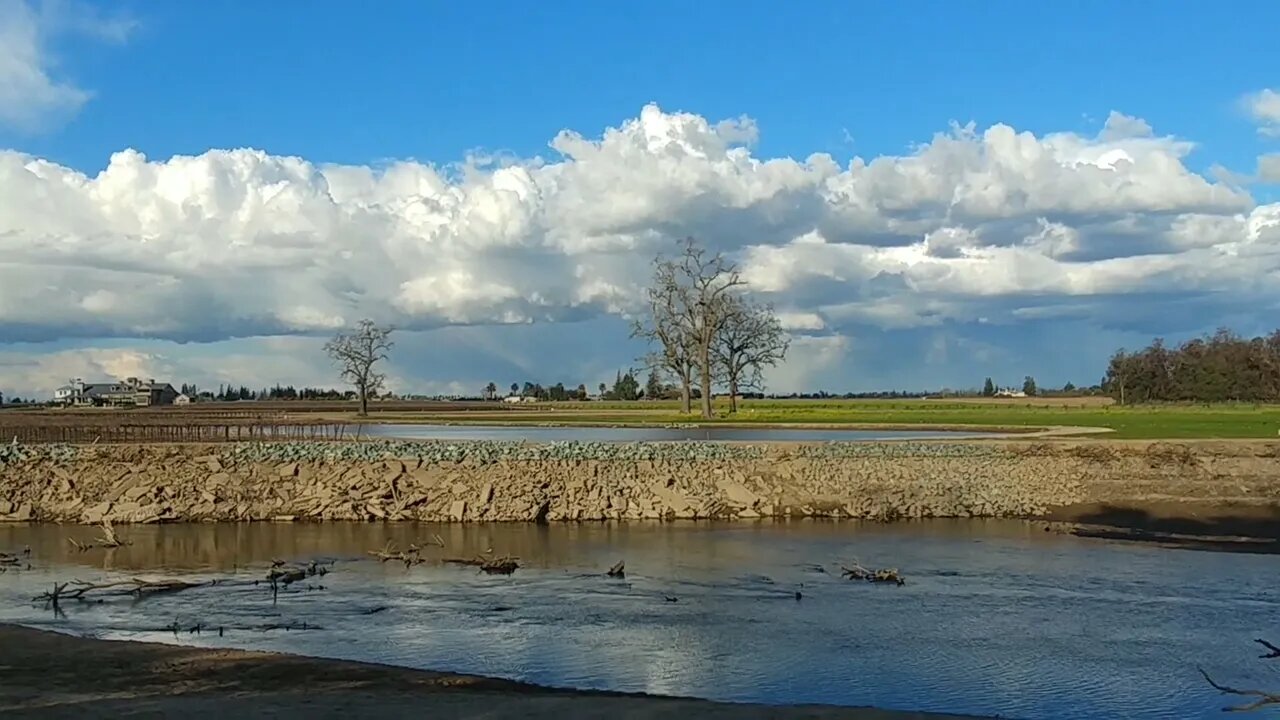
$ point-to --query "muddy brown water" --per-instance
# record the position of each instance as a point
(996, 618)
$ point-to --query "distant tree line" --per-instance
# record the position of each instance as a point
(229, 393)
(1219, 367)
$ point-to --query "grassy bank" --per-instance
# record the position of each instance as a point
(1135, 422)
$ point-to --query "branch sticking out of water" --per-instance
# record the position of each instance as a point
(108, 540)
(409, 557)
(1265, 699)
(619, 570)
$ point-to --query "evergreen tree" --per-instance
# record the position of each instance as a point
(988, 388)
(1029, 386)
(653, 388)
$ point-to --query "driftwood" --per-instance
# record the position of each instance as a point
(618, 571)
(887, 575)
(504, 565)
(80, 590)
(409, 557)
(108, 540)
(1264, 698)
(288, 574)
(15, 560)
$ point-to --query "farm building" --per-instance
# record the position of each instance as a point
(130, 393)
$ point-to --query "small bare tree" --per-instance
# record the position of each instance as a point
(750, 340)
(688, 302)
(356, 353)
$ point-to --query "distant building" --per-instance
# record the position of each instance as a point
(1010, 394)
(130, 393)
(513, 399)
(182, 399)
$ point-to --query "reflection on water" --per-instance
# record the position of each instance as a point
(650, 434)
(997, 617)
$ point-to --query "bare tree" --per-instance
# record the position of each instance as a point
(1265, 699)
(688, 302)
(750, 340)
(356, 353)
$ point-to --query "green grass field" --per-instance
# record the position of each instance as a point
(1140, 422)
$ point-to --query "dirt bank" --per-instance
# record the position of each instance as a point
(486, 481)
(47, 675)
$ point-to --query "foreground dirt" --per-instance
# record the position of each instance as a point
(48, 675)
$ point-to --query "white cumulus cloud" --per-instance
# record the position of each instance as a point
(994, 226)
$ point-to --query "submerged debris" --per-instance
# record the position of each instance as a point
(618, 571)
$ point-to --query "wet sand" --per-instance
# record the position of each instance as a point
(50, 675)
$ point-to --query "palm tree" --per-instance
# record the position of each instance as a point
(491, 391)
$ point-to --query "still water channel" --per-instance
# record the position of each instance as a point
(997, 617)
(651, 434)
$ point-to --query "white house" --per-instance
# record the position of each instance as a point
(515, 399)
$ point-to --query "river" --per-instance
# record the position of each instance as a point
(566, 433)
(997, 617)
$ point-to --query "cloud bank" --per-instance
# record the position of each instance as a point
(975, 228)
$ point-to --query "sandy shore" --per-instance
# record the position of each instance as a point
(48, 675)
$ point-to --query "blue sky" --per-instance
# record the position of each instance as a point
(427, 85)
(434, 81)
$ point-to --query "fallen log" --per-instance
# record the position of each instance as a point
(887, 575)
(80, 590)
(504, 565)
(618, 571)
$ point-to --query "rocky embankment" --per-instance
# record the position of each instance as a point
(487, 481)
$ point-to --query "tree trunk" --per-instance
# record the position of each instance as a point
(685, 395)
(733, 396)
(705, 373)
(364, 402)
